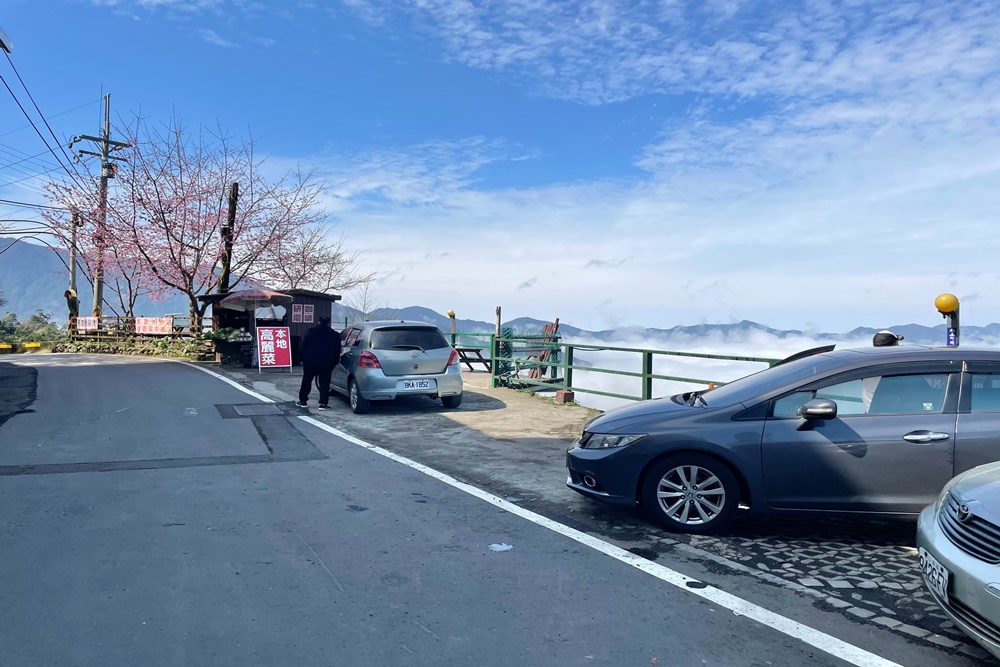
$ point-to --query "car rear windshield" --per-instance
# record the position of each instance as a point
(412, 338)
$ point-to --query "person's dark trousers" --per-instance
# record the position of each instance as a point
(310, 373)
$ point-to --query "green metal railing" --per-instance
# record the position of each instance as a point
(509, 357)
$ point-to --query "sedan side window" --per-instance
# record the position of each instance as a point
(849, 397)
(909, 394)
(788, 406)
(894, 394)
(985, 392)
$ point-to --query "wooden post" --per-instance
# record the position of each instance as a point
(227, 240)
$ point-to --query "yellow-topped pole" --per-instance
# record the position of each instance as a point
(947, 305)
(451, 314)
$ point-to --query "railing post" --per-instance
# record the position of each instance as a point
(494, 359)
(647, 371)
(569, 367)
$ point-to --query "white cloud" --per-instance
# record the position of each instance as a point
(598, 51)
(866, 234)
(180, 5)
(213, 37)
(834, 163)
(758, 344)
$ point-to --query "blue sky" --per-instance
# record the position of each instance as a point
(814, 164)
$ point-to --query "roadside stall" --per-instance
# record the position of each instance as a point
(307, 307)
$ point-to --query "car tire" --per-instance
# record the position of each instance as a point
(670, 493)
(359, 404)
(451, 401)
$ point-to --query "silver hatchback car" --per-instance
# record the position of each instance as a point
(383, 360)
(959, 544)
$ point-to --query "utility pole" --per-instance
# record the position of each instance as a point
(107, 172)
(5, 42)
(227, 239)
(72, 250)
(72, 300)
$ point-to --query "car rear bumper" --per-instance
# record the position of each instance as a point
(973, 600)
(374, 385)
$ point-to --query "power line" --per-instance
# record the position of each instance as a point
(24, 159)
(21, 161)
(26, 178)
(40, 136)
(21, 203)
(61, 113)
(49, 127)
(23, 165)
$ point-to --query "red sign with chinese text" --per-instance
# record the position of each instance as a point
(274, 347)
(154, 325)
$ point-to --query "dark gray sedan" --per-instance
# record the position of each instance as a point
(873, 430)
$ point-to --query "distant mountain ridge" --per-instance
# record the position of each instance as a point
(32, 277)
(913, 333)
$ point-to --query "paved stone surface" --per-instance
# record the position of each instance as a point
(513, 443)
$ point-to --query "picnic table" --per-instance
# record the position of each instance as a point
(474, 355)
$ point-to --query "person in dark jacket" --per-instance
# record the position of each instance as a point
(320, 354)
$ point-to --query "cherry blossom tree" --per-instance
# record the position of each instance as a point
(169, 205)
(125, 273)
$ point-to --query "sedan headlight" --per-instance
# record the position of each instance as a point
(608, 441)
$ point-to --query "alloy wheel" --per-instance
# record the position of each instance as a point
(690, 494)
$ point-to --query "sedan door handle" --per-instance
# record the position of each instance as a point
(925, 437)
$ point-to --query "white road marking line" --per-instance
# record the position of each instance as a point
(228, 381)
(824, 642)
(820, 640)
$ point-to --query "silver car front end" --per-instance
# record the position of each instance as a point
(959, 547)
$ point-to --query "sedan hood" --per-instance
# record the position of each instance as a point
(638, 413)
(982, 484)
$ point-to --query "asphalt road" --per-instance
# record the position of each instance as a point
(152, 514)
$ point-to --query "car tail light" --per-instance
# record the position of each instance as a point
(368, 360)
(453, 359)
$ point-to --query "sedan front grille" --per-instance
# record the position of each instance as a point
(975, 535)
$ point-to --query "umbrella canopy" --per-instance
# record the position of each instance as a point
(251, 299)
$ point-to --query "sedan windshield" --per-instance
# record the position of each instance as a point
(753, 387)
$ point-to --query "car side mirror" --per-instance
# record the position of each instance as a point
(819, 408)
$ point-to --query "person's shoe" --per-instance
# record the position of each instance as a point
(323, 408)
(300, 404)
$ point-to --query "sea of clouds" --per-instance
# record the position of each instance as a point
(758, 344)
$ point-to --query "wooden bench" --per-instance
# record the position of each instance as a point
(474, 355)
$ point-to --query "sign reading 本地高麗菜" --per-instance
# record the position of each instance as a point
(274, 349)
